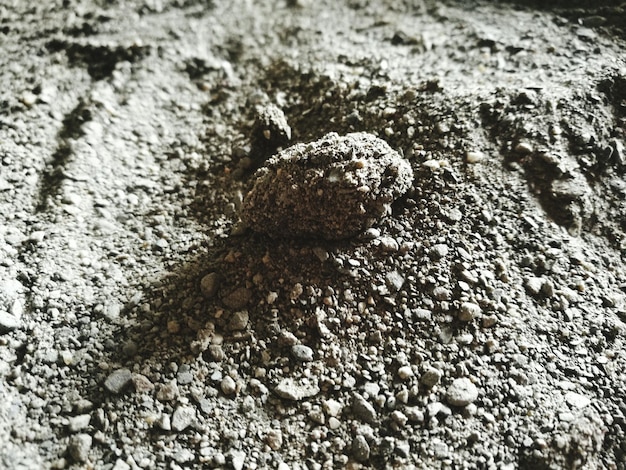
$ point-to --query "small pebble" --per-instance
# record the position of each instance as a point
(182, 417)
(332, 407)
(117, 381)
(399, 418)
(239, 321)
(289, 389)
(79, 447)
(576, 400)
(237, 459)
(168, 391)
(209, 285)
(228, 385)
(437, 408)
(405, 372)
(461, 392)
(430, 377)
(414, 414)
(469, 311)
(333, 423)
(165, 422)
(438, 251)
(534, 285)
(8, 322)
(394, 280)
(78, 423)
(523, 148)
(474, 157)
(363, 409)
(360, 449)
(274, 439)
(454, 215)
(238, 298)
(388, 244)
(302, 353)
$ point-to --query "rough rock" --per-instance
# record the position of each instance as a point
(290, 389)
(332, 188)
(117, 381)
(461, 392)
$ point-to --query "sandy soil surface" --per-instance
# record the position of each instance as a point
(478, 324)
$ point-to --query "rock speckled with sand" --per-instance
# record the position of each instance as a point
(332, 188)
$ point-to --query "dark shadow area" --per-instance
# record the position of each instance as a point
(99, 60)
(53, 177)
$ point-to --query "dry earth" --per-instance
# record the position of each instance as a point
(479, 325)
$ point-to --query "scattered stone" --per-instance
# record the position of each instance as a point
(79, 447)
(8, 322)
(474, 157)
(184, 376)
(363, 409)
(228, 385)
(576, 400)
(437, 408)
(239, 320)
(289, 389)
(121, 465)
(333, 188)
(414, 414)
(405, 372)
(117, 381)
(209, 285)
(534, 284)
(237, 459)
(142, 384)
(269, 133)
(431, 377)
(438, 251)
(165, 422)
(403, 449)
(333, 423)
(78, 423)
(441, 293)
(182, 417)
(274, 439)
(168, 391)
(287, 338)
(394, 281)
(37, 237)
(399, 418)
(469, 311)
(360, 449)
(302, 353)
(461, 392)
(524, 148)
(332, 407)
(238, 298)
(454, 215)
(317, 416)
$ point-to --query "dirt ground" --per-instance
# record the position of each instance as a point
(480, 324)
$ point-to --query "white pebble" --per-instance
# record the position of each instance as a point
(474, 157)
(461, 392)
(405, 372)
(228, 385)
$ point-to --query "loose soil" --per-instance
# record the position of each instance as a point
(479, 325)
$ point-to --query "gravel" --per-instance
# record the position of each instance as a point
(312, 235)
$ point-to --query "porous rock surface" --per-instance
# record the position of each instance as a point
(332, 188)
